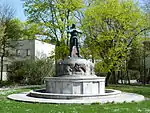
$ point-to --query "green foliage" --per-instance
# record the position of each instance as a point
(5, 83)
(16, 73)
(2, 33)
(97, 68)
(55, 16)
(30, 71)
(111, 27)
(13, 29)
(31, 30)
(146, 7)
(136, 56)
(62, 50)
(10, 31)
(2, 29)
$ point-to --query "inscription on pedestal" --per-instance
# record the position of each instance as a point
(67, 88)
(77, 88)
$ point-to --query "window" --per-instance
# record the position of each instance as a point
(6, 67)
(18, 52)
(28, 52)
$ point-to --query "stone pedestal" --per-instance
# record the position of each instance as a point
(76, 85)
(75, 78)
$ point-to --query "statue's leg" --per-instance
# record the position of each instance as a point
(77, 45)
(78, 52)
(71, 45)
(71, 50)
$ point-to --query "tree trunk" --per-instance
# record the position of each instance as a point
(118, 76)
(144, 78)
(114, 77)
(107, 78)
(121, 77)
(2, 59)
(128, 77)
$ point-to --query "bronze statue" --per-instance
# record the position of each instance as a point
(74, 44)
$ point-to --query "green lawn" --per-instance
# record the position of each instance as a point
(143, 90)
(9, 106)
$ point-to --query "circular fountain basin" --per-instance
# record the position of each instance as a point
(41, 93)
(111, 96)
(80, 90)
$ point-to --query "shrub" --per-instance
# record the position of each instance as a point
(4, 83)
(30, 71)
(16, 72)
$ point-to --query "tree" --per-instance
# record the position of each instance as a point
(146, 7)
(111, 27)
(55, 16)
(30, 30)
(11, 31)
(2, 29)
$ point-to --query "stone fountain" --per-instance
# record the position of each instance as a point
(75, 82)
(75, 75)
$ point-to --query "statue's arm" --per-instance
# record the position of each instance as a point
(79, 31)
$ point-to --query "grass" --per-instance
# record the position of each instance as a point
(9, 106)
(139, 89)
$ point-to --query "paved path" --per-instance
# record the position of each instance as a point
(120, 98)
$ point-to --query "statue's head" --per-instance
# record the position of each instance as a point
(73, 26)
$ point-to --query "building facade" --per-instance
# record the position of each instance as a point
(27, 49)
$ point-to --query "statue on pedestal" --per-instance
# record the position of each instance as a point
(74, 44)
(75, 64)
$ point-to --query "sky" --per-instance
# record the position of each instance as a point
(17, 5)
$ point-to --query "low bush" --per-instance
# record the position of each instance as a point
(30, 71)
(4, 83)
